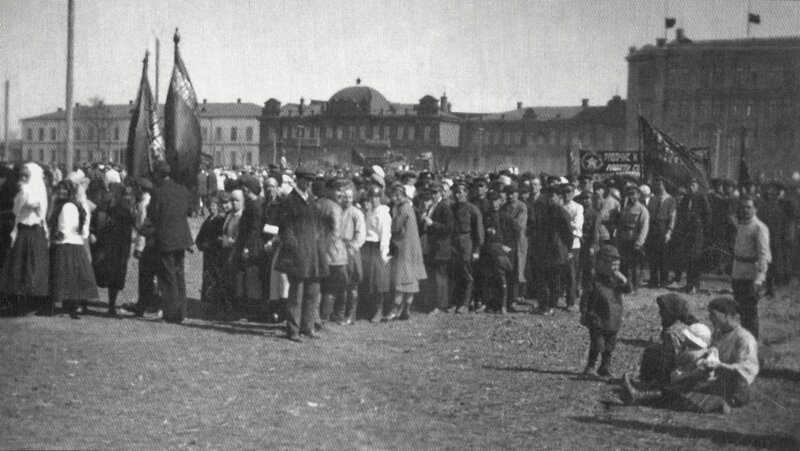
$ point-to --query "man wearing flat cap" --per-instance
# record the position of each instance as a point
(518, 212)
(167, 212)
(301, 258)
(467, 239)
(694, 221)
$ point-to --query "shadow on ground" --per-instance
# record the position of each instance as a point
(720, 438)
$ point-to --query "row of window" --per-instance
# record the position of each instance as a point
(40, 156)
(234, 134)
(553, 138)
(687, 75)
(736, 109)
(352, 132)
(90, 134)
(222, 158)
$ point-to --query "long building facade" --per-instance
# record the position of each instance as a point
(724, 95)
(230, 134)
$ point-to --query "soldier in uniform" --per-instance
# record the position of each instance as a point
(632, 228)
(662, 211)
(467, 240)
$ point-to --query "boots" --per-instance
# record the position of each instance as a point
(632, 396)
(352, 304)
(605, 362)
(589, 371)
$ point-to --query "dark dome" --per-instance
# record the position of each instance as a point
(373, 102)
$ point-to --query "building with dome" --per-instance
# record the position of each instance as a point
(358, 120)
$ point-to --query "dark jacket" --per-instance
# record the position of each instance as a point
(440, 231)
(467, 230)
(250, 236)
(301, 254)
(167, 214)
(601, 305)
(551, 236)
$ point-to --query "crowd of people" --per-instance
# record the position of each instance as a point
(313, 249)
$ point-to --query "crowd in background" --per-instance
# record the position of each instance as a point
(314, 248)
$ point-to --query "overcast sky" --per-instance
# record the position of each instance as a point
(487, 54)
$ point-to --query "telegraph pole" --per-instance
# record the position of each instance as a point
(158, 51)
(5, 116)
(70, 116)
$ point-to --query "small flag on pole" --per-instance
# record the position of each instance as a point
(145, 143)
(753, 18)
(669, 22)
(182, 124)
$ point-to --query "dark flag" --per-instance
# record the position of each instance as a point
(664, 156)
(753, 18)
(145, 143)
(744, 172)
(182, 124)
(669, 22)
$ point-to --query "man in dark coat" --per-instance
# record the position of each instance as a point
(437, 223)
(504, 229)
(167, 214)
(694, 217)
(551, 239)
(249, 253)
(301, 257)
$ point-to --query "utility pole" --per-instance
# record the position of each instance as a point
(158, 51)
(5, 116)
(70, 116)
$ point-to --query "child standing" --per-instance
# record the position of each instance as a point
(601, 310)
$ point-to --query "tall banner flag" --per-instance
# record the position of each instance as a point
(145, 143)
(665, 157)
(182, 124)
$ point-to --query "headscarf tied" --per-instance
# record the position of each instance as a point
(32, 195)
(674, 307)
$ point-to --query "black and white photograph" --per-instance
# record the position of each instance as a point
(400, 225)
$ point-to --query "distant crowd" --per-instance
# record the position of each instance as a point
(316, 249)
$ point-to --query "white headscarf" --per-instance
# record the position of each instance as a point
(30, 204)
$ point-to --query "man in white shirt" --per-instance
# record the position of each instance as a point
(751, 258)
(575, 211)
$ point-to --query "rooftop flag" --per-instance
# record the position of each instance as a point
(145, 143)
(669, 22)
(182, 124)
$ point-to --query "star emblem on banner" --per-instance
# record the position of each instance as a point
(591, 161)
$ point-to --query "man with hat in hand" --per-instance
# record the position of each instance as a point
(301, 258)
(169, 206)
(632, 228)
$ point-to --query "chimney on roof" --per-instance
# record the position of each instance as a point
(631, 50)
(661, 42)
(60, 109)
(301, 107)
(519, 105)
(449, 107)
(443, 103)
(77, 104)
(239, 100)
(130, 102)
(681, 37)
(204, 101)
(584, 103)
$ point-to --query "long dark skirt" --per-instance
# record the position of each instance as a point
(72, 277)
(376, 274)
(26, 271)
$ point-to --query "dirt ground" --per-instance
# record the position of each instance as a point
(468, 381)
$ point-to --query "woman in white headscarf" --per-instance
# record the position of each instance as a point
(26, 273)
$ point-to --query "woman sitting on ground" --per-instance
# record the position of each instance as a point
(731, 369)
(658, 360)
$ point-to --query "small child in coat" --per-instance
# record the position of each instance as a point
(601, 310)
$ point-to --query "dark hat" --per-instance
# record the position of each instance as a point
(511, 189)
(161, 167)
(608, 252)
(480, 181)
(425, 175)
(224, 196)
(304, 173)
(145, 184)
(251, 183)
(567, 188)
(409, 175)
(631, 189)
(599, 186)
(724, 304)
(493, 195)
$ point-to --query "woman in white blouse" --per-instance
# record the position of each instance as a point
(375, 253)
(72, 277)
(26, 270)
